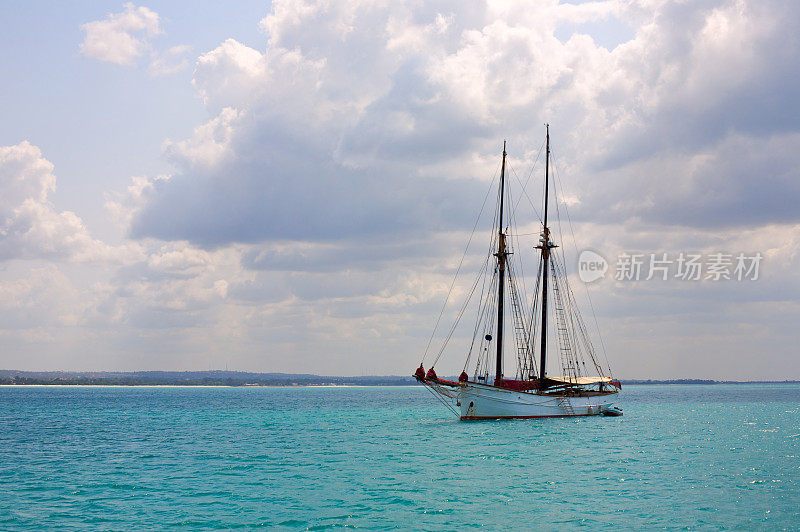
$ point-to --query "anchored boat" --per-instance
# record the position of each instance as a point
(583, 387)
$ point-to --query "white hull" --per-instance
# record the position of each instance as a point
(479, 401)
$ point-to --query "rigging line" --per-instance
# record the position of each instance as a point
(488, 360)
(588, 296)
(585, 285)
(530, 173)
(489, 317)
(515, 236)
(525, 192)
(535, 314)
(577, 329)
(518, 257)
(581, 328)
(438, 395)
(521, 302)
(514, 319)
(528, 234)
(488, 301)
(522, 297)
(461, 262)
(482, 306)
(494, 244)
(557, 185)
(521, 331)
(458, 319)
(486, 305)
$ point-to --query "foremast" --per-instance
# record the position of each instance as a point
(501, 272)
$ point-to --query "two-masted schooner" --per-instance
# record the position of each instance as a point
(583, 388)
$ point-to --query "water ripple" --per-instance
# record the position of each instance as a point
(682, 457)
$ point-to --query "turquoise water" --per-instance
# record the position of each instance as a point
(682, 457)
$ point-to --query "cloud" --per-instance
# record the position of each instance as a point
(338, 256)
(122, 37)
(42, 298)
(322, 209)
(169, 61)
(702, 72)
(210, 144)
(741, 181)
(280, 129)
(371, 119)
(30, 226)
(252, 202)
(125, 38)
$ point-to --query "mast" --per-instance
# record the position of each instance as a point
(545, 246)
(501, 267)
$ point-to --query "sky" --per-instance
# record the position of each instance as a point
(290, 186)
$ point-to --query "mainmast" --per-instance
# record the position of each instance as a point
(501, 268)
(545, 247)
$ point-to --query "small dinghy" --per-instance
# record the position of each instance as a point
(612, 411)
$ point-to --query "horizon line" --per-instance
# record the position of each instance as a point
(6, 372)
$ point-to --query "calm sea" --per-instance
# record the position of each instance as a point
(682, 457)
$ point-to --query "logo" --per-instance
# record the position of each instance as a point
(591, 266)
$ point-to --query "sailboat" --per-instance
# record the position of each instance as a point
(583, 387)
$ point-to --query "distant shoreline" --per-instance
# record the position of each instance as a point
(220, 378)
(408, 385)
(195, 385)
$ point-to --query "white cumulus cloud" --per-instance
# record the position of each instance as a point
(322, 208)
(364, 128)
(170, 60)
(30, 226)
(121, 38)
(125, 38)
